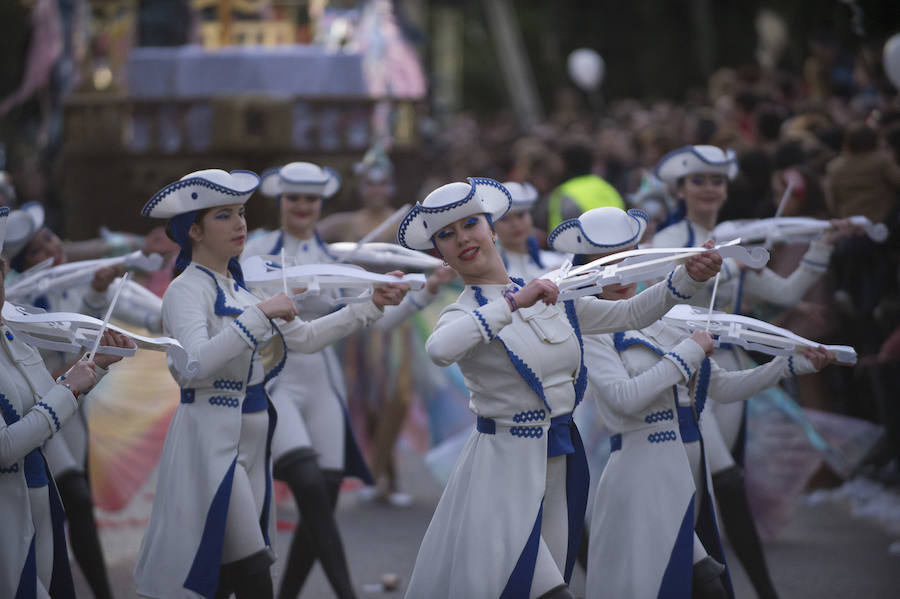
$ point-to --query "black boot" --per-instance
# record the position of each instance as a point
(247, 578)
(707, 580)
(75, 493)
(317, 535)
(560, 592)
(737, 520)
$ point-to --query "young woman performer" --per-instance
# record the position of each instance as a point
(209, 530)
(518, 246)
(33, 408)
(29, 243)
(653, 527)
(510, 518)
(313, 445)
(699, 175)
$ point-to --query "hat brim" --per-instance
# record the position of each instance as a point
(272, 184)
(22, 225)
(486, 196)
(573, 236)
(167, 203)
(685, 161)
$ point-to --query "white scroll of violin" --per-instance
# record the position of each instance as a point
(789, 229)
(42, 277)
(749, 333)
(265, 272)
(70, 332)
(633, 266)
(383, 256)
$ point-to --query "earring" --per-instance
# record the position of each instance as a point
(445, 264)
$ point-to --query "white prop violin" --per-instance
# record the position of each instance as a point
(749, 333)
(267, 272)
(634, 266)
(42, 277)
(789, 229)
(383, 256)
(70, 332)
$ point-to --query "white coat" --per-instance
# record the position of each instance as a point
(522, 369)
(219, 325)
(33, 408)
(642, 524)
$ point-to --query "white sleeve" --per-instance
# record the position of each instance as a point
(737, 385)
(185, 319)
(19, 438)
(625, 394)
(604, 316)
(787, 291)
(315, 335)
(414, 301)
(459, 331)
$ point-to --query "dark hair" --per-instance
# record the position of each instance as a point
(198, 220)
(768, 122)
(579, 160)
(892, 137)
(788, 153)
(860, 138)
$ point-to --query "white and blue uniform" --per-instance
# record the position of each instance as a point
(213, 502)
(33, 409)
(509, 520)
(737, 288)
(310, 395)
(653, 504)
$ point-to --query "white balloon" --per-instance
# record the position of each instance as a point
(586, 68)
(891, 59)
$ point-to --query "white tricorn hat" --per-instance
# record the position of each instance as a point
(696, 159)
(523, 195)
(450, 203)
(4, 215)
(21, 227)
(600, 231)
(301, 178)
(202, 189)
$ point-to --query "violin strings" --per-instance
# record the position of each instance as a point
(712, 300)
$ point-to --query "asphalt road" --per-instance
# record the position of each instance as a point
(824, 553)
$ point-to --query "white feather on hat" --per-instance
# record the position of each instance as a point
(600, 230)
(201, 189)
(449, 203)
(4, 215)
(696, 159)
(300, 178)
(523, 195)
(21, 227)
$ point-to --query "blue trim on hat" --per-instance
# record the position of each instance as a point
(634, 213)
(182, 183)
(474, 182)
(691, 150)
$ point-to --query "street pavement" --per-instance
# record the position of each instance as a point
(823, 553)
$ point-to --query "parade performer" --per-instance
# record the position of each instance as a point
(519, 247)
(509, 520)
(653, 527)
(209, 532)
(33, 408)
(30, 242)
(699, 175)
(313, 445)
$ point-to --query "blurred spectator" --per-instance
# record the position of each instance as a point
(581, 191)
(863, 179)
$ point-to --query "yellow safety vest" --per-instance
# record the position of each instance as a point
(587, 191)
